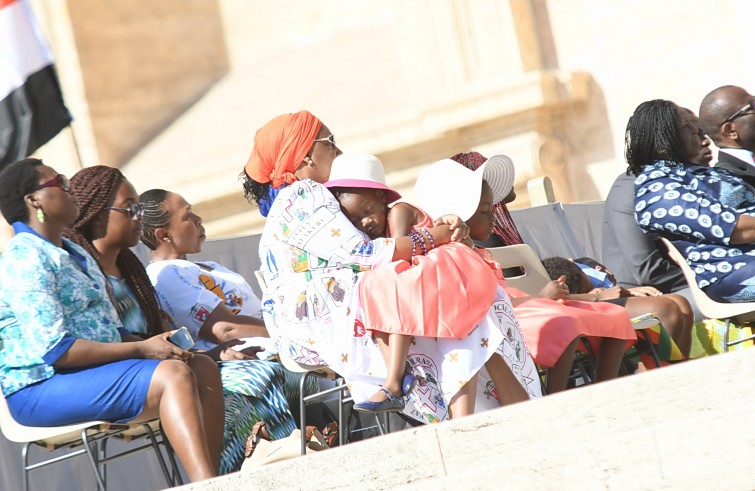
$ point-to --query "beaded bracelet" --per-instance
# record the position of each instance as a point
(429, 237)
(415, 241)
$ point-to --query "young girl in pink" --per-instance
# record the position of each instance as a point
(442, 292)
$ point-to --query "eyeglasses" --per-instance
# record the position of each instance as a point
(330, 139)
(59, 181)
(134, 210)
(750, 105)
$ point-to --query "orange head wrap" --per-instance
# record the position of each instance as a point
(280, 146)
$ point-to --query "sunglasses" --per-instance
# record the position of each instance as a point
(750, 105)
(134, 210)
(331, 139)
(59, 181)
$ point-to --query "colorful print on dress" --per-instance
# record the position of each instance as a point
(428, 394)
(232, 300)
(299, 260)
(200, 313)
(490, 391)
(335, 290)
(301, 306)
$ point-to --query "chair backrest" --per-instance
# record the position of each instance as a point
(708, 307)
(261, 280)
(535, 276)
(547, 231)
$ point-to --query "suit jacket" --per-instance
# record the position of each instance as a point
(630, 253)
(737, 167)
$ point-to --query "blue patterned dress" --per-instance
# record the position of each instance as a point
(697, 208)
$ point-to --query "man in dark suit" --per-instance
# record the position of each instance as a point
(727, 116)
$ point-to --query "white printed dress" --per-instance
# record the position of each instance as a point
(313, 258)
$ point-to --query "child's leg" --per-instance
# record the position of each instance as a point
(674, 319)
(463, 402)
(609, 357)
(395, 350)
(558, 374)
(509, 389)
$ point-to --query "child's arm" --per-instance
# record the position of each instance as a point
(401, 219)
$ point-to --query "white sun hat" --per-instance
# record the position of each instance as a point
(360, 170)
(449, 188)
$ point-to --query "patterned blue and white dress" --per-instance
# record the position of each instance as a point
(697, 208)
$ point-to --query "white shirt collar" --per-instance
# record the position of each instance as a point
(740, 153)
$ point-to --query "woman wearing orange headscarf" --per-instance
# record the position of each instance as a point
(313, 257)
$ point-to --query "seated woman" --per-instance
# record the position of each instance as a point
(217, 306)
(62, 361)
(552, 324)
(633, 255)
(313, 257)
(674, 311)
(707, 212)
(108, 201)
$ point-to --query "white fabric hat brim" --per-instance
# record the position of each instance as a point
(448, 188)
(499, 173)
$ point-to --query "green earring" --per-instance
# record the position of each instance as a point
(40, 215)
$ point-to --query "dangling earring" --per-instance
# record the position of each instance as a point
(40, 215)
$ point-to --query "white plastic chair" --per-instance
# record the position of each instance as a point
(739, 313)
(87, 435)
(535, 276)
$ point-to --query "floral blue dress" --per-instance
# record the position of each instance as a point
(51, 297)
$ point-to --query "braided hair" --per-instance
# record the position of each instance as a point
(503, 225)
(653, 133)
(95, 189)
(16, 181)
(154, 215)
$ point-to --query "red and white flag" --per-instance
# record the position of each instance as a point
(31, 103)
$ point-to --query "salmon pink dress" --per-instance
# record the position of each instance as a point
(549, 326)
(443, 294)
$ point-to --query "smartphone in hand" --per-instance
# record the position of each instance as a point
(182, 338)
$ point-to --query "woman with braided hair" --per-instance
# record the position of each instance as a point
(709, 213)
(109, 223)
(62, 360)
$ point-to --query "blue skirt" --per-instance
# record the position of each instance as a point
(113, 392)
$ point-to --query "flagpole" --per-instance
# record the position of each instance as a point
(76, 146)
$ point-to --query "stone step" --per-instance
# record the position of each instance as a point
(681, 427)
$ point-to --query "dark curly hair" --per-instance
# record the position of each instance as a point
(253, 191)
(154, 215)
(653, 133)
(16, 181)
(95, 189)
(560, 266)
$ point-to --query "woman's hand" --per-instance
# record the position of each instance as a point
(645, 291)
(555, 289)
(159, 348)
(458, 227)
(225, 352)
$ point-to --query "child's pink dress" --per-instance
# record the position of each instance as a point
(443, 294)
(549, 326)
